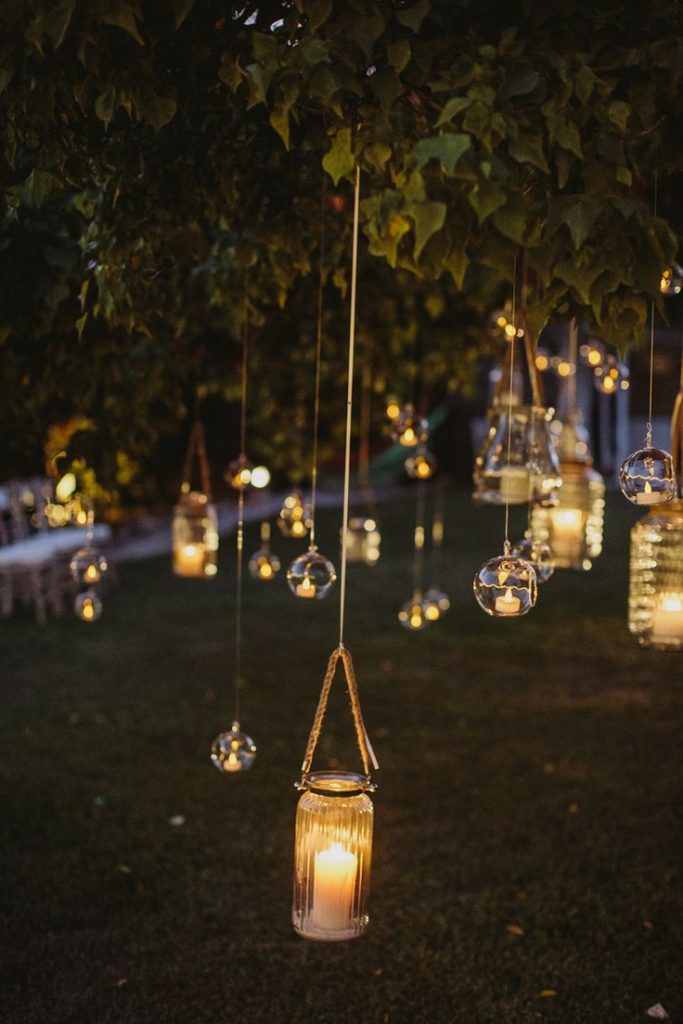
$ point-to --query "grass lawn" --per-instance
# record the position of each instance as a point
(527, 836)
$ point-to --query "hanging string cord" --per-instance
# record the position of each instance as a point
(90, 523)
(318, 359)
(437, 534)
(349, 405)
(573, 360)
(648, 438)
(506, 546)
(240, 515)
(418, 558)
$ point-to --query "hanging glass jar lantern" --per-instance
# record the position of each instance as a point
(656, 582)
(421, 465)
(573, 527)
(233, 751)
(295, 518)
(195, 536)
(263, 564)
(506, 587)
(538, 554)
(311, 575)
(333, 842)
(363, 540)
(88, 606)
(532, 471)
(88, 565)
(409, 429)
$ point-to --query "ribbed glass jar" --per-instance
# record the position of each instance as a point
(655, 606)
(573, 527)
(195, 536)
(332, 857)
(532, 471)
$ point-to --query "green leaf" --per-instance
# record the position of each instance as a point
(586, 80)
(528, 149)
(619, 113)
(230, 72)
(157, 110)
(38, 187)
(456, 263)
(314, 51)
(451, 108)
(317, 12)
(83, 294)
(387, 86)
(579, 278)
(80, 325)
(259, 81)
(399, 53)
(485, 198)
(520, 83)
(121, 16)
(511, 219)
(181, 9)
(104, 105)
(448, 148)
(377, 154)
(339, 160)
(568, 137)
(365, 32)
(56, 21)
(428, 218)
(580, 217)
(414, 16)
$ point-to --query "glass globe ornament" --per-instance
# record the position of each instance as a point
(264, 565)
(412, 614)
(671, 281)
(408, 429)
(421, 465)
(537, 553)
(233, 751)
(238, 473)
(88, 565)
(88, 606)
(647, 477)
(506, 586)
(311, 575)
(435, 604)
(294, 519)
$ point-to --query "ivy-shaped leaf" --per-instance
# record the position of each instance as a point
(413, 17)
(399, 53)
(428, 218)
(448, 148)
(485, 198)
(339, 160)
(619, 112)
(453, 107)
(259, 81)
(528, 149)
(317, 12)
(121, 16)
(580, 217)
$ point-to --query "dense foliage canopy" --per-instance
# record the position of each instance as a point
(157, 156)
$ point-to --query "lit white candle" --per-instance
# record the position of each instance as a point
(667, 619)
(514, 485)
(647, 496)
(334, 882)
(567, 533)
(306, 588)
(508, 604)
(189, 559)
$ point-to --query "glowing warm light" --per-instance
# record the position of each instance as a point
(91, 574)
(432, 612)
(306, 588)
(608, 384)
(408, 436)
(510, 331)
(260, 477)
(508, 604)
(564, 368)
(65, 487)
(501, 320)
(393, 409)
(594, 357)
(265, 570)
(542, 363)
(624, 385)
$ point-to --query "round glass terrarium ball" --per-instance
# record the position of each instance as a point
(294, 519)
(88, 565)
(435, 604)
(506, 586)
(647, 477)
(408, 429)
(311, 575)
(88, 606)
(238, 473)
(412, 615)
(264, 565)
(539, 554)
(421, 465)
(233, 751)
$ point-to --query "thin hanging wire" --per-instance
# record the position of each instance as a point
(506, 545)
(318, 359)
(418, 556)
(240, 514)
(349, 405)
(437, 533)
(648, 434)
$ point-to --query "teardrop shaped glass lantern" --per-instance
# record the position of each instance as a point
(538, 554)
(647, 477)
(656, 580)
(311, 575)
(409, 429)
(506, 587)
(532, 471)
(363, 540)
(332, 856)
(233, 751)
(195, 536)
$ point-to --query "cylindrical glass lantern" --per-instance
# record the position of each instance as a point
(532, 471)
(655, 604)
(573, 527)
(332, 856)
(195, 536)
(363, 540)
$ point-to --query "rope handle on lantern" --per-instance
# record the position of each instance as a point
(364, 746)
(196, 446)
(537, 391)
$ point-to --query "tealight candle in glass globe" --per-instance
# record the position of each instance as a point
(647, 477)
(435, 603)
(412, 615)
(506, 586)
(238, 473)
(311, 575)
(671, 281)
(408, 429)
(233, 751)
(421, 465)
(294, 519)
(88, 606)
(538, 553)
(264, 565)
(88, 565)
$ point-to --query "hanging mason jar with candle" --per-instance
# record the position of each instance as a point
(195, 521)
(333, 842)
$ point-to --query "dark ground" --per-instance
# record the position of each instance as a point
(528, 838)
